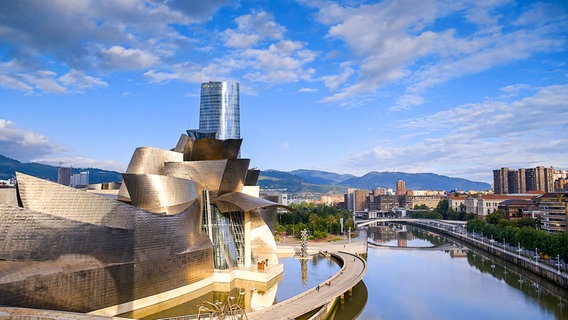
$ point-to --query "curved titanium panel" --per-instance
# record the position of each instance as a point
(31, 235)
(149, 161)
(160, 194)
(263, 245)
(74, 214)
(229, 201)
(66, 202)
(214, 149)
(208, 174)
(180, 146)
(252, 177)
(234, 176)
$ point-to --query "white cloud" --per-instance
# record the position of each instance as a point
(28, 146)
(332, 82)
(251, 29)
(308, 90)
(405, 43)
(120, 58)
(10, 81)
(23, 144)
(480, 137)
(79, 80)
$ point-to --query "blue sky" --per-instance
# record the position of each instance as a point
(457, 88)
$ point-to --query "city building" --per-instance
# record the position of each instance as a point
(519, 208)
(430, 201)
(64, 176)
(485, 204)
(219, 109)
(80, 180)
(540, 178)
(182, 220)
(553, 212)
(457, 203)
(400, 188)
(506, 181)
(517, 181)
(501, 181)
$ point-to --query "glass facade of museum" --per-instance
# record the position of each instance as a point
(220, 109)
(226, 231)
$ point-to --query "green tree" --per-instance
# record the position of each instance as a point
(314, 220)
(330, 221)
(495, 217)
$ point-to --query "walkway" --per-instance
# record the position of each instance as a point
(353, 270)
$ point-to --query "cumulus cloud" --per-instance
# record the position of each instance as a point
(28, 146)
(78, 38)
(79, 80)
(23, 144)
(120, 58)
(480, 137)
(251, 29)
(405, 42)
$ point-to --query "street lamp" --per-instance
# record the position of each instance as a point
(536, 255)
(558, 264)
(519, 249)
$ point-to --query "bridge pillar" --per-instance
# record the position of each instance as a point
(350, 292)
(342, 298)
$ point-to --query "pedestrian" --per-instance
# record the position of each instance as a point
(318, 288)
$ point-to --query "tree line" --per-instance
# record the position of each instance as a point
(525, 232)
(320, 220)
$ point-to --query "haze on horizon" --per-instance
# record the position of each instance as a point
(456, 88)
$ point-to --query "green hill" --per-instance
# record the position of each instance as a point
(8, 168)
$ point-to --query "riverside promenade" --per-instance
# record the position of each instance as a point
(353, 269)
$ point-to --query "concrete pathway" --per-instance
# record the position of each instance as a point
(353, 270)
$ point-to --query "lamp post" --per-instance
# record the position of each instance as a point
(558, 264)
(536, 255)
(519, 249)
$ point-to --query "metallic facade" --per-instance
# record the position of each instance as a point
(219, 109)
(179, 216)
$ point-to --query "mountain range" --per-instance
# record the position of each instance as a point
(318, 181)
(8, 168)
(296, 181)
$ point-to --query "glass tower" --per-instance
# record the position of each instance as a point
(219, 109)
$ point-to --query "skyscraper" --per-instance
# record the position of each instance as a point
(219, 109)
(400, 188)
(64, 176)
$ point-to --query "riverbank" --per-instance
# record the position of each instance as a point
(540, 269)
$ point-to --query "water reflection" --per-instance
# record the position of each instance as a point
(402, 236)
(447, 280)
(434, 278)
(246, 295)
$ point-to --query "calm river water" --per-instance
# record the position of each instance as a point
(449, 284)
(409, 279)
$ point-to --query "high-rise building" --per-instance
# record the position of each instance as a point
(501, 181)
(80, 179)
(540, 178)
(517, 181)
(219, 109)
(507, 181)
(64, 176)
(400, 188)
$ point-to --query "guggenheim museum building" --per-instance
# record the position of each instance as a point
(184, 218)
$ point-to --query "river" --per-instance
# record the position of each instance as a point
(420, 283)
(412, 274)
